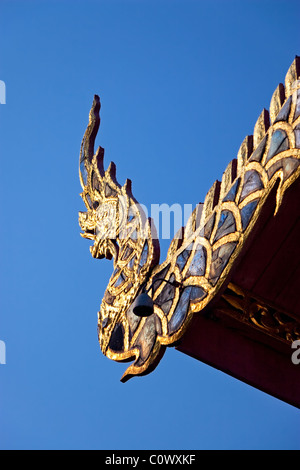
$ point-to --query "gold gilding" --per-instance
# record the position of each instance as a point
(201, 260)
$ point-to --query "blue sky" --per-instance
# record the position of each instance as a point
(181, 83)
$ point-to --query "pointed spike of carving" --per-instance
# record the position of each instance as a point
(193, 221)
(127, 186)
(244, 152)
(99, 155)
(261, 127)
(127, 189)
(88, 141)
(189, 228)
(211, 199)
(199, 211)
(277, 101)
(292, 75)
(111, 171)
(229, 176)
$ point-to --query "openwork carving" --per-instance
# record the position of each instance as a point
(244, 307)
(200, 260)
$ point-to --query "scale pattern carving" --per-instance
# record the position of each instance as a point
(201, 256)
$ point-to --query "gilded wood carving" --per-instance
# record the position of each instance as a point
(198, 262)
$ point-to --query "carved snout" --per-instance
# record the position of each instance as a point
(87, 225)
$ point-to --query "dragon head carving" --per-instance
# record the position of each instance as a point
(198, 263)
(119, 228)
(101, 194)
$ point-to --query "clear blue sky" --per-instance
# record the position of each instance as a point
(181, 84)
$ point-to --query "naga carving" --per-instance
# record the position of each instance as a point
(200, 258)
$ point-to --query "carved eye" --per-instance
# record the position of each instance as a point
(95, 204)
(105, 322)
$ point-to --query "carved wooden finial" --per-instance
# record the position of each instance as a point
(277, 101)
(244, 152)
(211, 199)
(203, 256)
(228, 177)
(292, 75)
(261, 127)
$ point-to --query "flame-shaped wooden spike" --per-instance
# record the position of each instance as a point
(193, 222)
(261, 127)
(111, 171)
(244, 152)
(88, 141)
(277, 101)
(99, 159)
(211, 199)
(229, 176)
(292, 75)
(127, 187)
